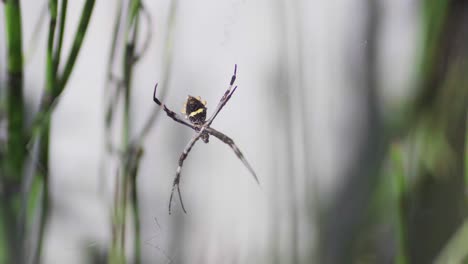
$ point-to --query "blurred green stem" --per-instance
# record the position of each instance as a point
(167, 65)
(12, 165)
(61, 30)
(49, 99)
(43, 173)
(135, 164)
(77, 43)
(466, 151)
(112, 97)
(396, 155)
(54, 87)
(45, 135)
(129, 55)
(131, 33)
(15, 107)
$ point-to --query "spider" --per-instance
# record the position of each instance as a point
(195, 111)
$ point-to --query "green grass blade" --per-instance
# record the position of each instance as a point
(50, 74)
(77, 43)
(15, 107)
(396, 155)
(61, 30)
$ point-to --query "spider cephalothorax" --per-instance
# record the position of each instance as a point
(195, 110)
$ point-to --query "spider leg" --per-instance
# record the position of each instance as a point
(234, 147)
(169, 112)
(182, 158)
(180, 198)
(226, 96)
(222, 104)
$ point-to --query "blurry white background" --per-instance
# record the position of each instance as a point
(296, 116)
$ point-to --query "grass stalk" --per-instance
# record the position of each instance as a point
(466, 151)
(135, 204)
(43, 174)
(114, 96)
(130, 38)
(50, 73)
(15, 151)
(45, 135)
(49, 100)
(54, 87)
(167, 62)
(77, 43)
(15, 107)
(129, 54)
(61, 30)
(37, 31)
(131, 150)
(396, 154)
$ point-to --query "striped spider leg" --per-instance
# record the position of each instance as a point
(228, 141)
(195, 112)
(169, 112)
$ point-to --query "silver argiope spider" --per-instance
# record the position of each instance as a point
(195, 111)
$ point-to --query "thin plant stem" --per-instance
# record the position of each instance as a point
(130, 37)
(45, 135)
(466, 150)
(115, 225)
(54, 86)
(148, 21)
(129, 152)
(50, 73)
(45, 201)
(400, 184)
(115, 36)
(61, 30)
(167, 62)
(50, 100)
(129, 53)
(31, 50)
(114, 96)
(135, 204)
(77, 43)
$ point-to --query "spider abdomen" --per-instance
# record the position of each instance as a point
(195, 110)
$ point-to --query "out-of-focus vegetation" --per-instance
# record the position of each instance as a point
(424, 152)
(402, 201)
(25, 181)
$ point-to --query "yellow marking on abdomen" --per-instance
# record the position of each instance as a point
(196, 112)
